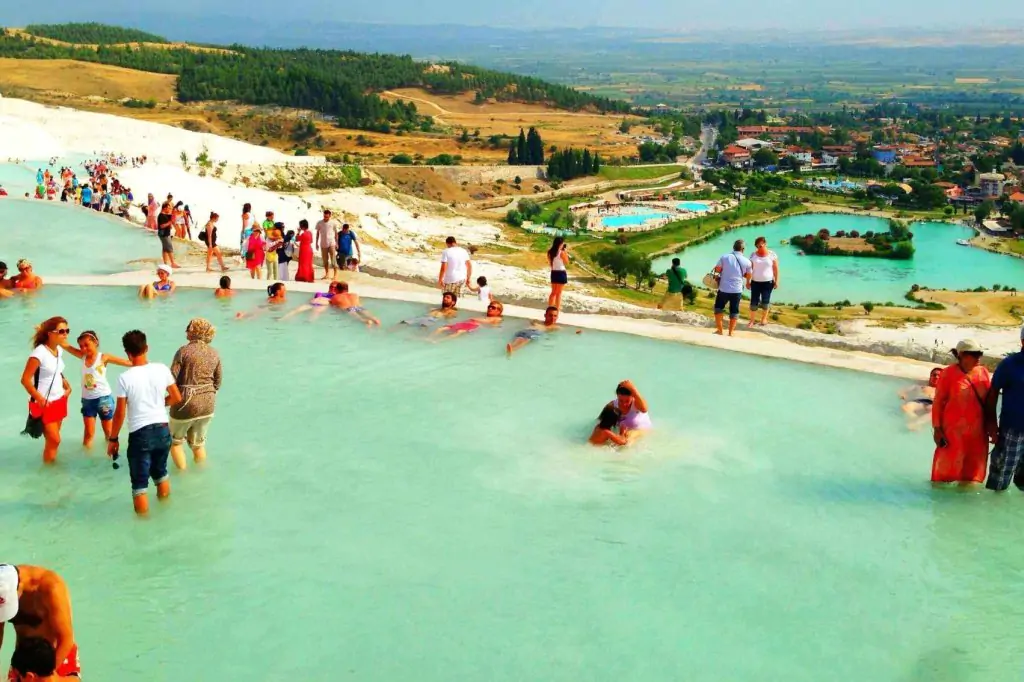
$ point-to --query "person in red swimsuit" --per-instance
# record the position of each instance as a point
(26, 279)
(37, 603)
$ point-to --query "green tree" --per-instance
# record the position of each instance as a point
(535, 147)
(597, 163)
(513, 155)
(983, 211)
(765, 157)
(521, 149)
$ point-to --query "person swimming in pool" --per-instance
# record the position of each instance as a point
(26, 279)
(536, 330)
(276, 293)
(163, 286)
(449, 308)
(495, 310)
(349, 302)
(224, 290)
(917, 401)
(604, 430)
(320, 302)
(632, 408)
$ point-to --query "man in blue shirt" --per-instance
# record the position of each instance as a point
(86, 196)
(348, 246)
(1007, 459)
(735, 270)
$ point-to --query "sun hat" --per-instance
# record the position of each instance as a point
(969, 346)
(8, 592)
(163, 267)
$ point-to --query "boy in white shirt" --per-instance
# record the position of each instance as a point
(144, 393)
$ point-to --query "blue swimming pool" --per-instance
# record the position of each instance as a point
(695, 206)
(631, 220)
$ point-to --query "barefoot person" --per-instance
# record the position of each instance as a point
(209, 237)
(495, 310)
(36, 602)
(349, 302)
(144, 393)
(224, 290)
(1007, 431)
(604, 430)
(558, 259)
(676, 277)
(918, 400)
(632, 408)
(456, 268)
(97, 397)
(449, 308)
(735, 270)
(47, 388)
(163, 286)
(764, 279)
(326, 244)
(197, 371)
(534, 331)
(958, 418)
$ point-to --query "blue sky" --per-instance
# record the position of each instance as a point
(680, 15)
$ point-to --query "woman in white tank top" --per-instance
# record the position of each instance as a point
(558, 258)
(97, 397)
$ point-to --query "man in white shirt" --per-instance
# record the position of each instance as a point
(144, 393)
(327, 243)
(456, 268)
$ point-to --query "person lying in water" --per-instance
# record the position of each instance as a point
(917, 401)
(349, 302)
(320, 302)
(604, 431)
(449, 308)
(163, 285)
(495, 309)
(536, 330)
(276, 295)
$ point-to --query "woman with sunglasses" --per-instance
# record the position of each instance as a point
(97, 397)
(495, 310)
(26, 279)
(43, 380)
(958, 418)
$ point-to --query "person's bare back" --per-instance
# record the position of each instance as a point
(43, 610)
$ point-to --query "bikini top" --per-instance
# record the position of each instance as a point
(162, 287)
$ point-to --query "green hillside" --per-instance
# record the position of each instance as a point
(92, 34)
(337, 83)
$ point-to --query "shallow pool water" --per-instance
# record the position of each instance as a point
(70, 240)
(938, 262)
(381, 508)
(631, 219)
(695, 206)
(18, 178)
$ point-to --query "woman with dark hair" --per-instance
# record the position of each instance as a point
(255, 252)
(43, 380)
(164, 224)
(604, 431)
(305, 239)
(284, 255)
(224, 290)
(247, 223)
(209, 236)
(764, 279)
(276, 293)
(958, 418)
(558, 259)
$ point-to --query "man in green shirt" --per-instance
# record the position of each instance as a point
(673, 298)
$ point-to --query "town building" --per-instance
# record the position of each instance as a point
(735, 155)
(884, 154)
(991, 184)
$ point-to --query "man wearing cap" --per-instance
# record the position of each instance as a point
(326, 242)
(1007, 460)
(36, 602)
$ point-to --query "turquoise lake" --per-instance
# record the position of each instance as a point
(938, 262)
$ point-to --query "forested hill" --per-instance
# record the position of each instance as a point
(92, 34)
(340, 84)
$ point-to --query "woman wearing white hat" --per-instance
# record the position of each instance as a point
(162, 286)
(958, 418)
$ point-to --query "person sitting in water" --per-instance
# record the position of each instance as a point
(604, 430)
(276, 293)
(35, 660)
(349, 302)
(163, 285)
(6, 285)
(225, 290)
(534, 331)
(26, 279)
(495, 310)
(449, 308)
(632, 408)
(918, 401)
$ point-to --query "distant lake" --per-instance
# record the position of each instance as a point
(938, 262)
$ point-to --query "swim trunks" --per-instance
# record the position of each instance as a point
(422, 321)
(355, 309)
(528, 334)
(71, 667)
(464, 326)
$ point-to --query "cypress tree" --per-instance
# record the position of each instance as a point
(513, 157)
(524, 155)
(597, 163)
(536, 147)
(588, 163)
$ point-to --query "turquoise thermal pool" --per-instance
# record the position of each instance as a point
(938, 262)
(407, 510)
(695, 206)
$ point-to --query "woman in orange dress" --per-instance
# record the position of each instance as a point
(961, 441)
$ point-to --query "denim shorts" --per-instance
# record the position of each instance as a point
(761, 295)
(148, 449)
(733, 300)
(102, 407)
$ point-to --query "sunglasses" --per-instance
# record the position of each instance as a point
(492, 307)
(62, 332)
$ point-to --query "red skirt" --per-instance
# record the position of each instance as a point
(55, 411)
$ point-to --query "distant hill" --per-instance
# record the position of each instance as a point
(92, 34)
(343, 85)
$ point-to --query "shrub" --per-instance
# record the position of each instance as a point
(401, 159)
(948, 210)
(855, 234)
(806, 324)
(514, 218)
(443, 160)
(301, 151)
(868, 307)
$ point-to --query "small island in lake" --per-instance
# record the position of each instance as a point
(896, 244)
